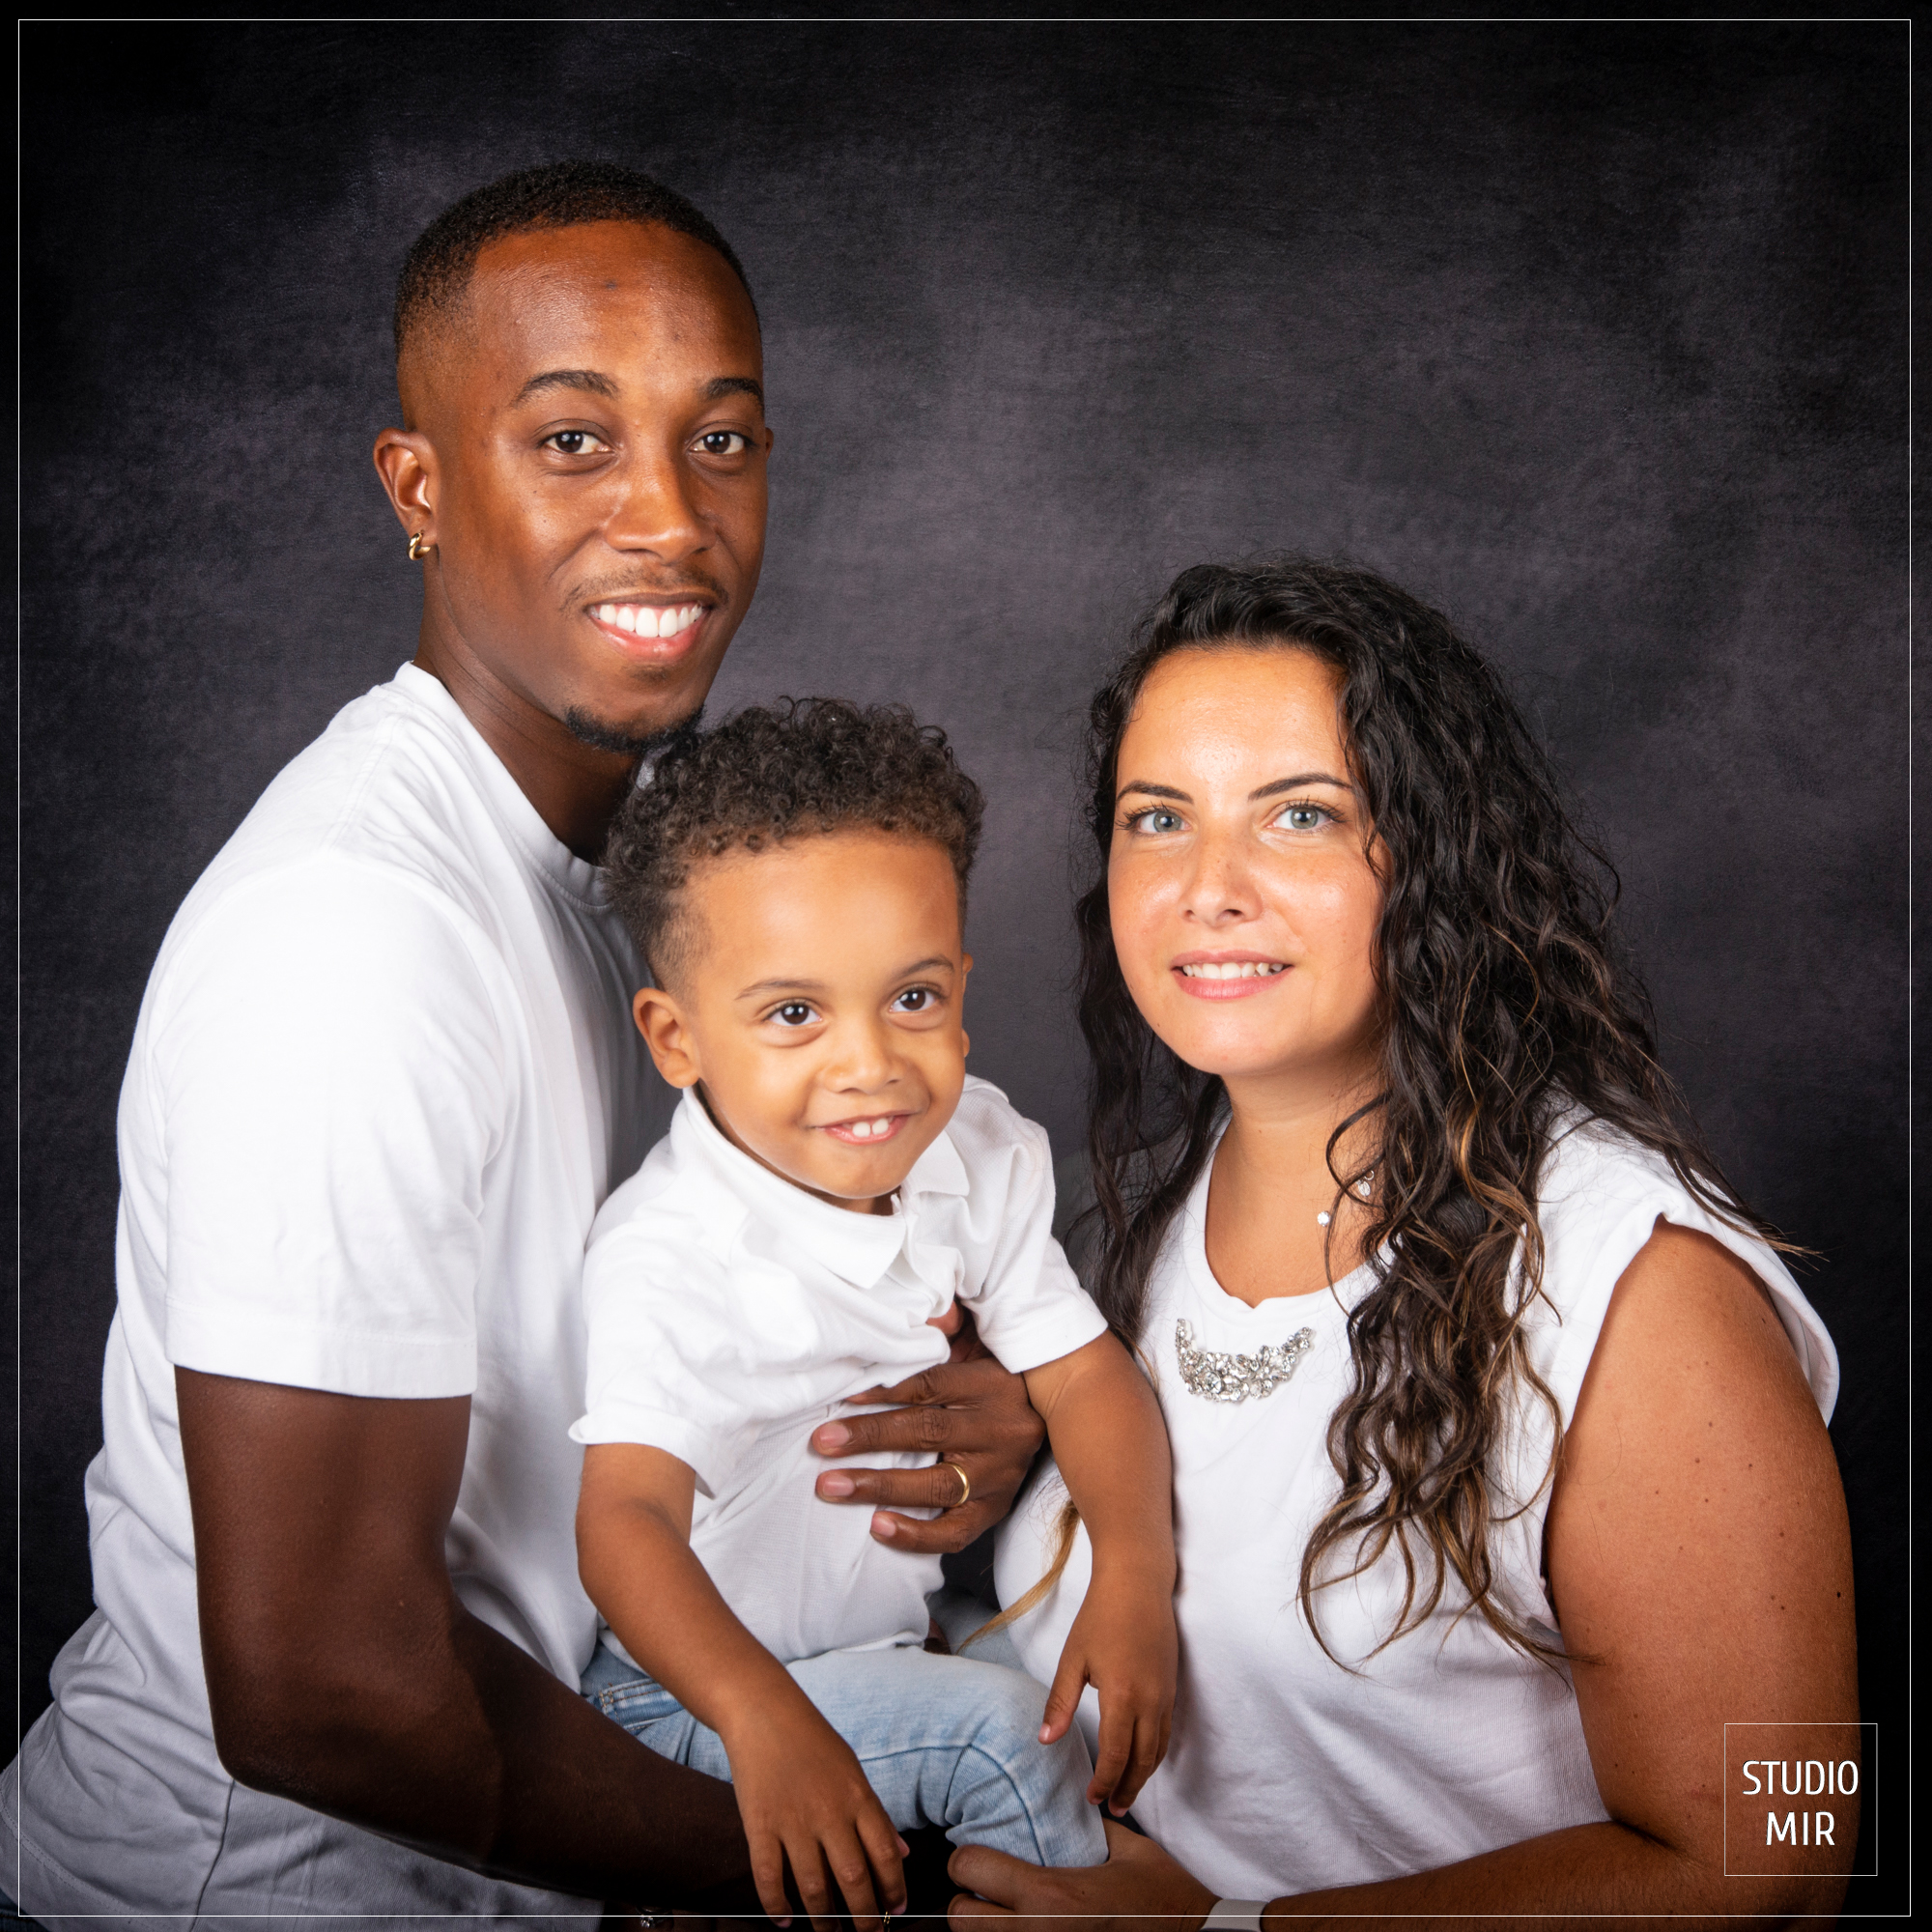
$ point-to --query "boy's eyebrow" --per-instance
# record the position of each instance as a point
(781, 986)
(759, 986)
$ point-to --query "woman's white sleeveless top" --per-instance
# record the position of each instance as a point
(1288, 1772)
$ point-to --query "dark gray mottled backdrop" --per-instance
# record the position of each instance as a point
(1595, 334)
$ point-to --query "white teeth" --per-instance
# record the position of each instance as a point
(868, 1130)
(1234, 969)
(646, 620)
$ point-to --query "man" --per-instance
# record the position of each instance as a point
(383, 1078)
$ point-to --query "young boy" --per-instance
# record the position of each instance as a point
(832, 1181)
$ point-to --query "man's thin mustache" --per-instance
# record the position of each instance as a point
(615, 590)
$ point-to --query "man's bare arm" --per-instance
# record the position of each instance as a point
(972, 1412)
(344, 1673)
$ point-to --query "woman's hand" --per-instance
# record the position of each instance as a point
(1138, 1882)
(974, 1416)
(1123, 1643)
(806, 1803)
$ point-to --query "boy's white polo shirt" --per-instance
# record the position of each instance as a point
(728, 1313)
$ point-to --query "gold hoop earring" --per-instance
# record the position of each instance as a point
(419, 549)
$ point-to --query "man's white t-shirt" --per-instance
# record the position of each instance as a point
(1288, 1772)
(383, 1073)
(730, 1313)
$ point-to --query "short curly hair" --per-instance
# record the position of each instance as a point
(773, 774)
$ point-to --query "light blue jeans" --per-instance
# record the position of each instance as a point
(946, 1740)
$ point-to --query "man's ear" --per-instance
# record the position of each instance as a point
(661, 1023)
(406, 462)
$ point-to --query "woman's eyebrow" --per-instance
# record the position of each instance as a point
(1153, 791)
(1301, 779)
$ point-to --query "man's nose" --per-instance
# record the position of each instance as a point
(657, 509)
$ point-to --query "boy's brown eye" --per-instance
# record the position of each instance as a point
(793, 1013)
(913, 999)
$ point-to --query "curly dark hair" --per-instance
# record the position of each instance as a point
(768, 775)
(1505, 1001)
(437, 269)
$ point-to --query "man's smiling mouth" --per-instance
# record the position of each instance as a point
(649, 620)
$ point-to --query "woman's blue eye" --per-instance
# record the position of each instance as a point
(1302, 817)
(1157, 819)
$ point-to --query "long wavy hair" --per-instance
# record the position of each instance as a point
(1505, 1006)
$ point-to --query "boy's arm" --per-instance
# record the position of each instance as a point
(1111, 1446)
(634, 1553)
(801, 1791)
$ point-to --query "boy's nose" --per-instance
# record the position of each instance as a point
(861, 1058)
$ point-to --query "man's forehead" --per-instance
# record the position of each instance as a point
(597, 296)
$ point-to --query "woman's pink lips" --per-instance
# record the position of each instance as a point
(841, 1130)
(1226, 989)
(652, 650)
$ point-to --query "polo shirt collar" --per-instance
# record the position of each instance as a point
(857, 1248)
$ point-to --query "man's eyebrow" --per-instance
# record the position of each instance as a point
(568, 379)
(734, 386)
(1301, 779)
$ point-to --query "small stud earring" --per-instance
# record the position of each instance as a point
(419, 549)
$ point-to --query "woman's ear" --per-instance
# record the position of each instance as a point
(673, 1048)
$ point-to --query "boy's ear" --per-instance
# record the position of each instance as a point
(662, 1024)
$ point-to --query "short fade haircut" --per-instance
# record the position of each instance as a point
(436, 273)
(772, 775)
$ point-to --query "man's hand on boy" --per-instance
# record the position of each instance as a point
(1123, 1643)
(806, 1803)
(974, 1415)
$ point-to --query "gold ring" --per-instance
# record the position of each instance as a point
(965, 1484)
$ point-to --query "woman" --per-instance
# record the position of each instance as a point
(1501, 1479)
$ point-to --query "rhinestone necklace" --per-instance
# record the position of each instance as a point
(1215, 1377)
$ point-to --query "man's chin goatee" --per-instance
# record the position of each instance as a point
(648, 746)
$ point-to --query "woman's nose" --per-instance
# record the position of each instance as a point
(1221, 889)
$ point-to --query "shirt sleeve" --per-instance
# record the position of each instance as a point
(1600, 1204)
(671, 1360)
(1027, 1302)
(330, 1074)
